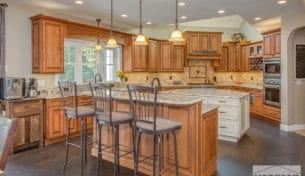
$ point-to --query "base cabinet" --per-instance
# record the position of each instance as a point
(29, 113)
(56, 123)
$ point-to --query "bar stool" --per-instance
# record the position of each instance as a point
(102, 93)
(143, 101)
(68, 91)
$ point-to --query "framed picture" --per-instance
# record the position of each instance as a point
(300, 61)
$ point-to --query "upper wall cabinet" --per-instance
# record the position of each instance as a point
(272, 44)
(172, 57)
(138, 57)
(153, 56)
(203, 45)
(47, 44)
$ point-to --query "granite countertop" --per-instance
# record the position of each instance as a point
(208, 107)
(220, 93)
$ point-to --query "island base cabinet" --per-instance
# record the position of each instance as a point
(196, 141)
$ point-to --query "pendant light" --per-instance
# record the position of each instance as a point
(140, 40)
(176, 36)
(111, 43)
(98, 46)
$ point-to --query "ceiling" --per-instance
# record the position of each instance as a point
(162, 12)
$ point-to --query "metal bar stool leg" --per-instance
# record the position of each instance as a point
(154, 156)
(159, 155)
(176, 154)
(99, 153)
(67, 146)
(137, 153)
(85, 140)
(81, 146)
(115, 167)
(118, 148)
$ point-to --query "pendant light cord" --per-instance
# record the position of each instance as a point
(111, 17)
(140, 16)
(176, 14)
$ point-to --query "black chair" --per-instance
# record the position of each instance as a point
(8, 129)
(102, 93)
(143, 101)
(72, 110)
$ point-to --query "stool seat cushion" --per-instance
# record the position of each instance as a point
(162, 125)
(82, 111)
(118, 117)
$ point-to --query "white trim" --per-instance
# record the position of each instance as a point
(292, 127)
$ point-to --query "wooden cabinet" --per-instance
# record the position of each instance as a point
(222, 63)
(153, 56)
(172, 57)
(29, 116)
(178, 58)
(56, 123)
(47, 45)
(244, 59)
(256, 50)
(272, 114)
(139, 55)
(231, 57)
(203, 45)
(272, 44)
(166, 56)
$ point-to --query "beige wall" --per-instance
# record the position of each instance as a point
(293, 92)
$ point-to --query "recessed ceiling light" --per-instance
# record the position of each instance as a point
(79, 2)
(257, 18)
(181, 3)
(282, 2)
(221, 11)
(183, 17)
(124, 15)
(148, 22)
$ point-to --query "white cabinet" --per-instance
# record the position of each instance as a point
(233, 116)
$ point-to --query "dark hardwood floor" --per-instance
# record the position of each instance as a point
(262, 144)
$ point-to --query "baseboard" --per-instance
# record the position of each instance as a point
(292, 127)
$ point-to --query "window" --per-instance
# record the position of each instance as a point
(82, 62)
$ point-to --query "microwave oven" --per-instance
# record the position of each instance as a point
(11, 88)
(272, 67)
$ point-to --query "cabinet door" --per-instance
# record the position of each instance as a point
(238, 59)
(34, 131)
(166, 56)
(259, 103)
(54, 122)
(178, 58)
(215, 43)
(193, 43)
(53, 47)
(20, 139)
(231, 58)
(268, 46)
(204, 42)
(139, 57)
(277, 44)
(153, 56)
(244, 59)
(223, 61)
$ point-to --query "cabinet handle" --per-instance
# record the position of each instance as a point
(222, 112)
(221, 101)
(222, 127)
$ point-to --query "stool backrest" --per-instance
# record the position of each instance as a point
(143, 101)
(68, 92)
(8, 128)
(102, 96)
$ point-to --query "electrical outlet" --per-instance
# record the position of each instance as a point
(170, 77)
(251, 78)
(126, 79)
(231, 77)
(146, 78)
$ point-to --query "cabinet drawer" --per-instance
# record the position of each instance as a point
(229, 113)
(26, 108)
(54, 102)
(223, 101)
(227, 128)
(269, 112)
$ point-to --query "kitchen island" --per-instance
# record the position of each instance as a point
(197, 138)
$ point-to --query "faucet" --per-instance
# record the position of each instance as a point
(99, 77)
(153, 81)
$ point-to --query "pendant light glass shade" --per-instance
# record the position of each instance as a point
(111, 43)
(176, 36)
(140, 40)
(98, 46)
